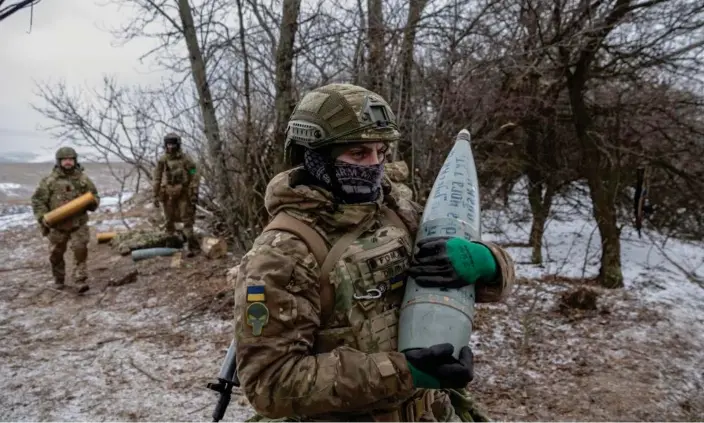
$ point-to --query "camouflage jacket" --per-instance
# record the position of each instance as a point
(289, 362)
(176, 170)
(59, 188)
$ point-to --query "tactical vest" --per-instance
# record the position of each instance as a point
(361, 281)
(175, 171)
(64, 189)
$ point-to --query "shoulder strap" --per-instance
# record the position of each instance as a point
(392, 217)
(285, 222)
(326, 259)
(327, 294)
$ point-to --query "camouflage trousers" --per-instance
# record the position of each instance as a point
(447, 405)
(59, 241)
(178, 208)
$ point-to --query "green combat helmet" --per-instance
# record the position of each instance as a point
(338, 114)
(172, 138)
(66, 153)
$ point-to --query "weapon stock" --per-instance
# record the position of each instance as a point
(227, 379)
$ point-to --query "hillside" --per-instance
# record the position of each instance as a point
(18, 157)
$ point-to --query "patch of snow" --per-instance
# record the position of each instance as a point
(114, 224)
(111, 203)
(10, 189)
(572, 246)
(17, 220)
(14, 217)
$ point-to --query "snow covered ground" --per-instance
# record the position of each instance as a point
(10, 189)
(571, 248)
(22, 217)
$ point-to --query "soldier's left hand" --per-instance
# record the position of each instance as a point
(452, 262)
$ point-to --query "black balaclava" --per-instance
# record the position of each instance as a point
(349, 183)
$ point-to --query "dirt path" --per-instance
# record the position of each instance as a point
(116, 353)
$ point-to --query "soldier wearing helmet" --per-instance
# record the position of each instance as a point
(66, 183)
(175, 186)
(317, 296)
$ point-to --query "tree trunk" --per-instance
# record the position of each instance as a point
(247, 90)
(600, 170)
(604, 211)
(285, 101)
(402, 106)
(602, 177)
(358, 63)
(540, 208)
(207, 107)
(375, 38)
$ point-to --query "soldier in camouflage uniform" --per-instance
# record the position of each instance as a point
(175, 186)
(305, 352)
(66, 183)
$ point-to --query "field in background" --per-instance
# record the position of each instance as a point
(18, 180)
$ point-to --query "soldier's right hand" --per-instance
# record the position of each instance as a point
(43, 226)
(156, 203)
(452, 262)
(436, 368)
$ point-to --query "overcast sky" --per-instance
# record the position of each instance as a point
(67, 41)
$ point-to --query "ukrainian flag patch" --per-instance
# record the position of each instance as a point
(255, 294)
(397, 281)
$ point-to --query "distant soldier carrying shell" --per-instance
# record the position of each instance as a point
(66, 184)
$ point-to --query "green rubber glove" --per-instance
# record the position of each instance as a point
(423, 380)
(436, 368)
(452, 262)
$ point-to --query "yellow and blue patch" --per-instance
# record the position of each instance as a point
(255, 293)
(397, 281)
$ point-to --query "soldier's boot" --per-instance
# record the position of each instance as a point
(59, 283)
(170, 224)
(58, 269)
(170, 230)
(80, 274)
(192, 244)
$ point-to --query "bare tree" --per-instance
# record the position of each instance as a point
(10, 9)
(114, 121)
(285, 101)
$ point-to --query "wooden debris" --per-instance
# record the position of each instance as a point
(176, 260)
(213, 248)
(128, 278)
(104, 237)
